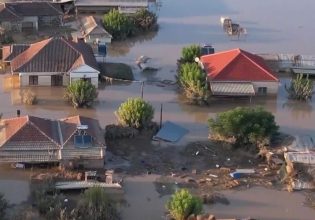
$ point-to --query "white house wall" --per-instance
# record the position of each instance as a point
(272, 87)
(94, 80)
(44, 79)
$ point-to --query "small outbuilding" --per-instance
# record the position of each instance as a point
(239, 73)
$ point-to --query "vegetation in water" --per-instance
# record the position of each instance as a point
(81, 93)
(3, 206)
(121, 26)
(192, 80)
(189, 53)
(135, 112)
(301, 88)
(244, 125)
(182, 204)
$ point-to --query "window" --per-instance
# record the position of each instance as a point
(33, 80)
(262, 90)
(82, 141)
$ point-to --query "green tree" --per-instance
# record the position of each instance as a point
(3, 206)
(118, 25)
(301, 88)
(182, 204)
(192, 79)
(189, 53)
(81, 93)
(135, 112)
(144, 20)
(245, 125)
(96, 205)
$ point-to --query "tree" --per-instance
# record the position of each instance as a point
(144, 20)
(245, 125)
(135, 112)
(182, 204)
(190, 53)
(301, 88)
(3, 206)
(81, 93)
(117, 24)
(96, 205)
(192, 79)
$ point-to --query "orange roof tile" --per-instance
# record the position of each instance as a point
(236, 65)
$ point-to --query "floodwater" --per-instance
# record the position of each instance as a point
(282, 26)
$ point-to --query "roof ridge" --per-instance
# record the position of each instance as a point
(7, 139)
(228, 63)
(34, 125)
(66, 141)
(10, 10)
(50, 5)
(32, 54)
(242, 52)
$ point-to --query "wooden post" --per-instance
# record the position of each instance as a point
(142, 85)
(161, 115)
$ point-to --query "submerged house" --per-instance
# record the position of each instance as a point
(73, 142)
(93, 31)
(238, 73)
(52, 62)
(24, 15)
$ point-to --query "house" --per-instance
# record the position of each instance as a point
(21, 16)
(238, 73)
(73, 142)
(103, 6)
(93, 32)
(52, 62)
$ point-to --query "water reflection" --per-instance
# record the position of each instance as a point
(122, 48)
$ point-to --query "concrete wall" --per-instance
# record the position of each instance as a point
(272, 87)
(91, 39)
(44, 79)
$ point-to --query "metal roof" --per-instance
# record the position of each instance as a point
(232, 89)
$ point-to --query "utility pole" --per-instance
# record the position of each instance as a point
(161, 115)
(142, 85)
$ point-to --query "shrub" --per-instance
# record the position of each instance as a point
(245, 125)
(81, 93)
(190, 53)
(135, 112)
(301, 88)
(118, 25)
(95, 204)
(182, 204)
(192, 79)
(29, 97)
(3, 206)
(144, 20)
(116, 70)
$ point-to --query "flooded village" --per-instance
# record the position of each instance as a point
(140, 170)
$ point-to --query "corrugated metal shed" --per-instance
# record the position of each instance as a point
(232, 88)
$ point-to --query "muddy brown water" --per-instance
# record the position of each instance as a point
(273, 27)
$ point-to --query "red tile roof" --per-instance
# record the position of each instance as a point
(54, 55)
(236, 65)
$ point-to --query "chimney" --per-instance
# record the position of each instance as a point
(18, 113)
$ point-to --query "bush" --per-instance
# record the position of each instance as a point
(301, 88)
(118, 25)
(29, 97)
(192, 79)
(182, 204)
(135, 112)
(245, 125)
(144, 20)
(116, 71)
(81, 93)
(3, 206)
(96, 205)
(190, 53)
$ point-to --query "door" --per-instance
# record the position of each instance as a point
(56, 80)
(27, 26)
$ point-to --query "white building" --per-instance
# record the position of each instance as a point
(52, 62)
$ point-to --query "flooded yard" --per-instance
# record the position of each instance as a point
(273, 27)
